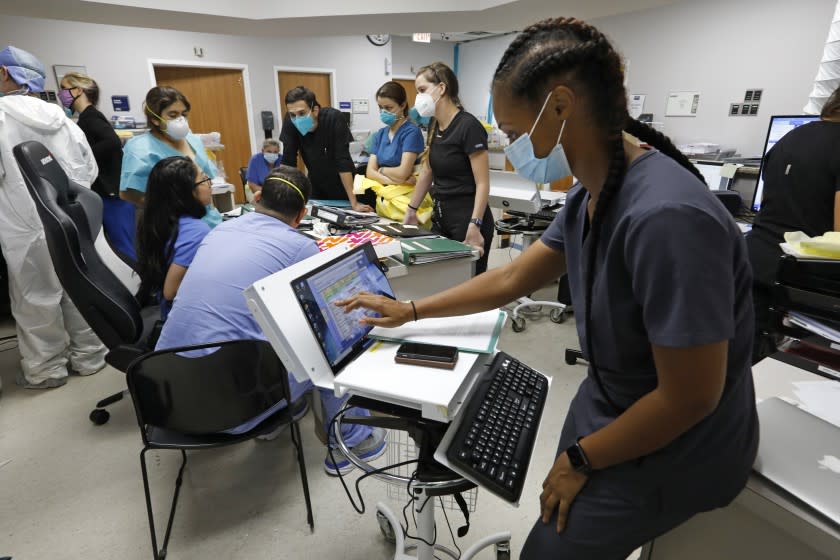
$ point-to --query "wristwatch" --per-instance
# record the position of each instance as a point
(578, 459)
(476, 221)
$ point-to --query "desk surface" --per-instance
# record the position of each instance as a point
(437, 393)
(762, 522)
(774, 378)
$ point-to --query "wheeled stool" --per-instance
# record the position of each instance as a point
(530, 229)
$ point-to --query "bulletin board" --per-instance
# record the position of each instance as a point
(62, 70)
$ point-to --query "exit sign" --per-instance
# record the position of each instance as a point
(422, 37)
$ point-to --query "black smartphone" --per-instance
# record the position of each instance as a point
(430, 355)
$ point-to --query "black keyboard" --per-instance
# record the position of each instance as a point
(497, 431)
(545, 214)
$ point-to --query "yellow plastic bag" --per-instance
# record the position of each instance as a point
(392, 200)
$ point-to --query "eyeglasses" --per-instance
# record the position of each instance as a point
(207, 180)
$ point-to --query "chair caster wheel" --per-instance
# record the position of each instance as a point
(385, 528)
(518, 324)
(557, 315)
(503, 550)
(570, 358)
(99, 416)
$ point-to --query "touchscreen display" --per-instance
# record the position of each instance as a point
(339, 333)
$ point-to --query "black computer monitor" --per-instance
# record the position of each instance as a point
(339, 334)
(779, 126)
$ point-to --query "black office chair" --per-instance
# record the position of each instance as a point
(243, 175)
(184, 402)
(72, 217)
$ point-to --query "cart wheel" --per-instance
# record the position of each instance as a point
(557, 315)
(99, 416)
(518, 324)
(570, 357)
(503, 550)
(385, 527)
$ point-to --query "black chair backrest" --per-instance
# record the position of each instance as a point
(72, 215)
(243, 174)
(209, 393)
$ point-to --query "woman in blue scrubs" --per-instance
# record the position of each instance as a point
(396, 147)
(171, 228)
(664, 425)
(169, 135)
(262, 164)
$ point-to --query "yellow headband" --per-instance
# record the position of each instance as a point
(303, 198)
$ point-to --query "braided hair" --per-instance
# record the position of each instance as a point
(568, 50)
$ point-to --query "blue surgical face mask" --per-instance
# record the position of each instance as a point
(414, 115)
(388, 117)
(304, 123)
(271, 157)
(552, 167)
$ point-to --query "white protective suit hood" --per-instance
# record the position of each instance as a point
(33, 113)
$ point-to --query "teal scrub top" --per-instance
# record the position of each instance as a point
(140, 155)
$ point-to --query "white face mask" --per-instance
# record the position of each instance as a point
(177, 129)
(425, 104)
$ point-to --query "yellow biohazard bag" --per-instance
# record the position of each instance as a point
(392, 200)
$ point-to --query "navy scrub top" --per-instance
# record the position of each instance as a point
(671, 270)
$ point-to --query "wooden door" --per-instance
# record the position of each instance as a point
(410, 90)
(217, 98)
(318, 82)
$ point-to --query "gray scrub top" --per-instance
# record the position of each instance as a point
(671, 270)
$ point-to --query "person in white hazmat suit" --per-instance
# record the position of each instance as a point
(50, 329)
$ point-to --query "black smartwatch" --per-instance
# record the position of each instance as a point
(578, 459)
(476, 221)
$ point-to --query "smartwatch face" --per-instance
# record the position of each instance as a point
(576, 458)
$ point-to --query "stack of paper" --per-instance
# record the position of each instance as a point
(820, 398)
(802, 246)
(478, 332)
(433, 250)
(813, 325)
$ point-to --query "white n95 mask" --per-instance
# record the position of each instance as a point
(178, 128)
(552, 167)
(425, 104)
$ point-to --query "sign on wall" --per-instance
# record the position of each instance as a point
(682, 104)
(120, 103)
(637, 105)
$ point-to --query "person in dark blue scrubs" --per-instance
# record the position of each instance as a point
(262, 164)
(396, 147)
(664, 425)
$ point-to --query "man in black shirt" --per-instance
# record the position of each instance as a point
(322, 137)
(801, 193)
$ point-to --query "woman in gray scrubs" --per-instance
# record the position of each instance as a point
(664, 425)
